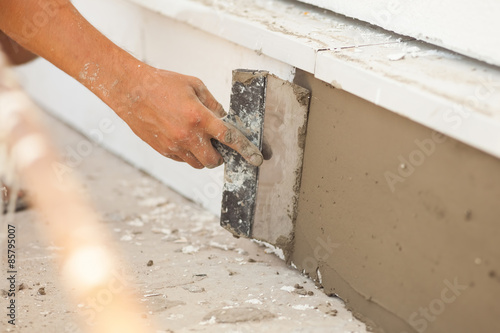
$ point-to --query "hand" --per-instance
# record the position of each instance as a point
(177, 116)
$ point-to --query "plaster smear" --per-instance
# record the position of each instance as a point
(279, 178)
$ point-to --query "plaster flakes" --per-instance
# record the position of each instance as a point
(126, 238)
(153, 202)
(136, 223)
(224, 247)
(302, 307)
(396, 56)
(320, 278)
(253, 301)
(288, 288)
(190, 249)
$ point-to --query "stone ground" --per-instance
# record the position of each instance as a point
(189, 274)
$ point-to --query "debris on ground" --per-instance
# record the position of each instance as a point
(202, 279)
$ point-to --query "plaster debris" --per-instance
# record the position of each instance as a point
(126, 238)
(302, 307)
(224, 247)
(190, 249)
(288, 288)
(181, 240)
(194, 289)
(396, 56)
(320, 278)
(271, 249)
(416, 52)
(161, 231)
(211, 321)
(238, 315)
(136, 223)
(200, 276)
(241, 251)
(142, 192)
(253, 301)
(153, 202)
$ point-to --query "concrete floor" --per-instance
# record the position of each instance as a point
(189, 274)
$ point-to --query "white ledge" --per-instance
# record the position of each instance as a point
(437, 88)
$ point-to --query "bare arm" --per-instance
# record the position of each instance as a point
(16, 53)
(175, 114)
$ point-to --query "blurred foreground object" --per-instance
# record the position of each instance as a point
(88, 266)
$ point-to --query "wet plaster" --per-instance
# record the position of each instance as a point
(399, 222)
(279, 178)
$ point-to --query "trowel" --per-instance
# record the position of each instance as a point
(261, 202)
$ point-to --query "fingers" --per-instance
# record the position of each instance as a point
(207, 99)
(232, 137)
(197, 150)
(184, 156)
(207, 154)
(190, 159)
(173, 157)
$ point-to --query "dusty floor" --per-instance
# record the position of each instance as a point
(188, 273)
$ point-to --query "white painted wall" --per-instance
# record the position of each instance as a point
(164, 43)
(467, 27)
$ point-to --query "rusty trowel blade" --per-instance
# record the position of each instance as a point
(241, 178)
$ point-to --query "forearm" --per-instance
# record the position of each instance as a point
(55, 30)
(175, 114)
(16, 54)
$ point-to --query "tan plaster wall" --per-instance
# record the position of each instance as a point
(394, 254)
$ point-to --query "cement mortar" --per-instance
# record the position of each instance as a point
(419, 252)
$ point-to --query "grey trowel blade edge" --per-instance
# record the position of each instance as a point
(246, 112)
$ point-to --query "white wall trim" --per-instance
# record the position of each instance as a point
(461, 25)
(437, 88)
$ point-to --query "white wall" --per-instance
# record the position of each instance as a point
(464, 26)
(164, 43)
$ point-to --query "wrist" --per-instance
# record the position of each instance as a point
(112, 79)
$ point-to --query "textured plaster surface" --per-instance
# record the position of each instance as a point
(391, 214)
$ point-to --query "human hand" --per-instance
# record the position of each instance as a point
(177, 116)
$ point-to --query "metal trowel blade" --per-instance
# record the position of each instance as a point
(246, 112)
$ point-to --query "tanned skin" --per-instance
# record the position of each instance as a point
(174, 113)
